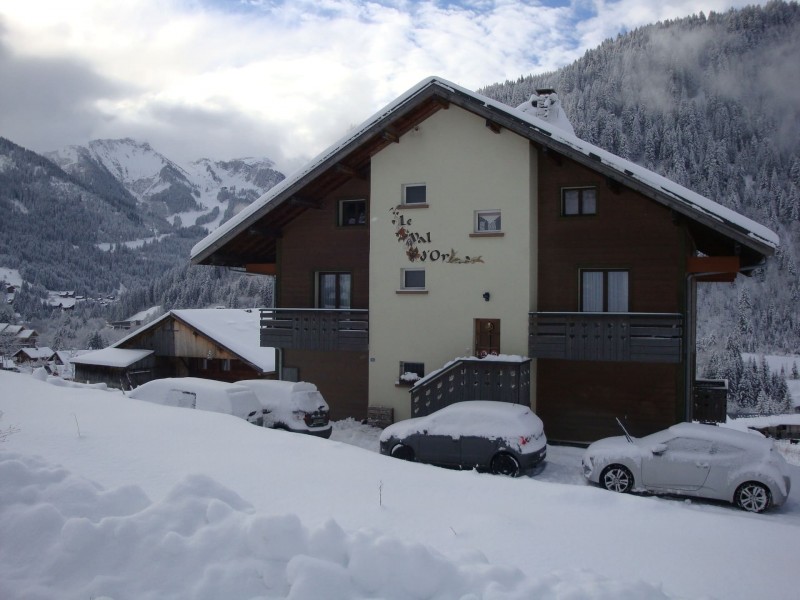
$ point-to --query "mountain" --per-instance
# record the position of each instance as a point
(203, 192)
(712, 103)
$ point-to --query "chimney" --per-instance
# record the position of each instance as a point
(545, 104)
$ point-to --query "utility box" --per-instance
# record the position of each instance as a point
(710, 400)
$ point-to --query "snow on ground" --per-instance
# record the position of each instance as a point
(10, 276)
(105, 496)
(778, 362)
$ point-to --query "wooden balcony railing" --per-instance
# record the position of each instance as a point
(635, 337)
(315, 329)
(472, 379)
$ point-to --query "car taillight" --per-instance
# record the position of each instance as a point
(524, 440)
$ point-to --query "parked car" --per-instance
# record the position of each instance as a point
(691, 459)
(499, 437)
(296, 406)
(202, 394)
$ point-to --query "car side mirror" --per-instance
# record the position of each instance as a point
(659, 449)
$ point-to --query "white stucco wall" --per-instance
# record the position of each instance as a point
(466, 167)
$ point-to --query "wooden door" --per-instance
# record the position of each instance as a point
(487, 337)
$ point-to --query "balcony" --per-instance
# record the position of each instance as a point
(633, 337)
(315, 329)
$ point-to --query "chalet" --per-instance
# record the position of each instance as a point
(208, 343)
(33, 357)
(449, 227)
(17, 336)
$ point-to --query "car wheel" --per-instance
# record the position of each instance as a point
(617, 478)
(752, 496)
(505, 464)
(403, 452)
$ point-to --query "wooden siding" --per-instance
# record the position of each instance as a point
(312, 329)
(314, 242)
(629, 231)
(341, 377)
(579, 400)
(643, 337)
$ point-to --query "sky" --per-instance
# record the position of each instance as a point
(281, 79)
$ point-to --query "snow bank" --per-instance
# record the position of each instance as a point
(73, 539)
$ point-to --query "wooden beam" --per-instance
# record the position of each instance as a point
(720, 277)
(492, 126)
(297, 201)
(390, 136)
(713, 265)
(345, 170)
(265, 231)
(262, 268)
(442, 102)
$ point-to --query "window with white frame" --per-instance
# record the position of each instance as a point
(578, 201)
(415, 194)
(413, 279)
(604, 290)
(487, 221)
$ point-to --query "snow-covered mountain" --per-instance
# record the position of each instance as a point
(203, 192)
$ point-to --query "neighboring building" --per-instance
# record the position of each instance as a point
(220, 344)
(450, 225)
(33, 357)
(137, 319)
(13, 337)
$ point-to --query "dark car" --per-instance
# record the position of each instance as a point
(499, 437)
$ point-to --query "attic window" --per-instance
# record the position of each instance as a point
(578, 201)
(352, 213)
(415, 194)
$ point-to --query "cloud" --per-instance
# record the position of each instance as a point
(276, 78)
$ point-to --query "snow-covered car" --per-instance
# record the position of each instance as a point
(691, 459)
(202, 394)
(499, 437)
(296, 406)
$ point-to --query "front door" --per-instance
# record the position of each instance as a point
(487, 337)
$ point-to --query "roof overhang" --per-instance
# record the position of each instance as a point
(251, 236)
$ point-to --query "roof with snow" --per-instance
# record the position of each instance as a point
(111, 357)
(43, 353)
(351, 155)
(237, 330)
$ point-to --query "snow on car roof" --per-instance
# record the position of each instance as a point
(472, 417)
(742, 439)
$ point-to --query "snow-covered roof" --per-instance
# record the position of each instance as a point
(143, 314)
(111, 357)
(236, 329)
(36, 353)
(523, 123)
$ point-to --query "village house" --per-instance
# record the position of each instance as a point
(220, 344)
(491, 253)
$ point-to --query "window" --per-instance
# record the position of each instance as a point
(226, 364)
(352, 213)
(487, 221)
(604, 291)
(578, 201)
(333, 290)
(410, 372)
(415, 194)
(413, 279)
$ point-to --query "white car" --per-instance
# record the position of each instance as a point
(202, 394)
(691, 459)
(296, 406)
(499, 437)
